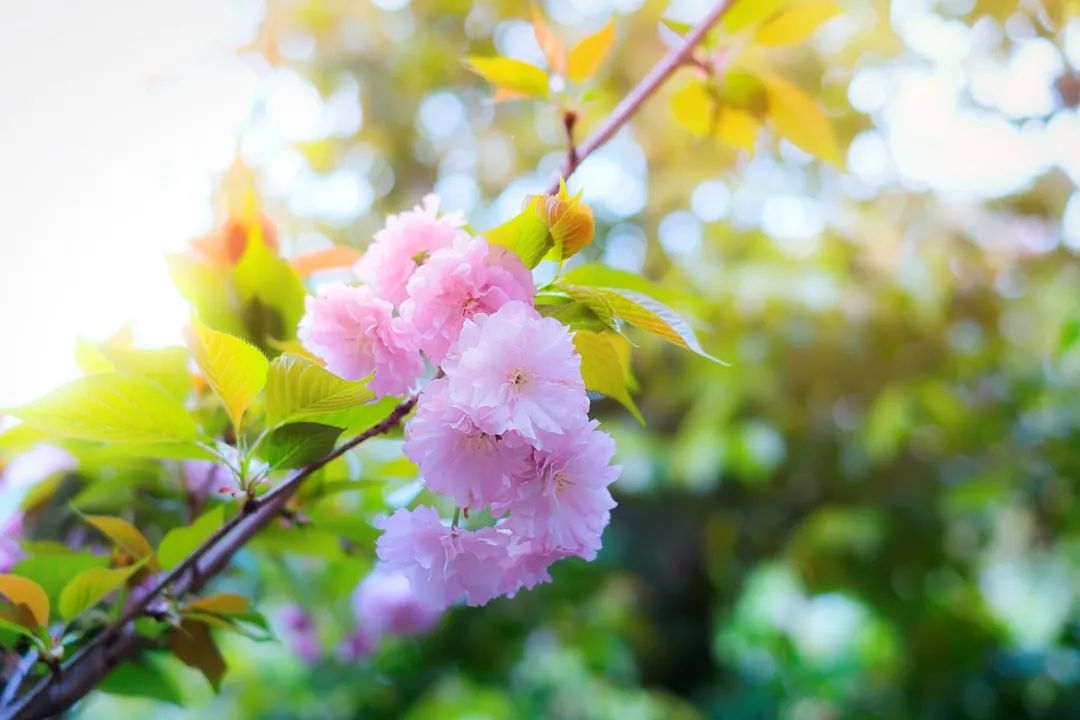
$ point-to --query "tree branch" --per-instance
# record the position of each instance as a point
(119, 641)
(676, 57)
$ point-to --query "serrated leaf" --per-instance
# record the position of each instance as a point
(550, 43)
(126, 537)
(112, 408)
(193, 644)
(795, 23)
(653, 316)
(299, 389)
(799, 119)
(167, 366)
(598, 275)
(744, 13)
(526, 235)
(235, 369)
(605, 366)
(90, 587)
(222, 604)
(54, 570)
(513, 75)
(142, 679)
(298, 444)
(596, 301)
(180, 542)
(26, 592)
(271, 292)
(586, 57)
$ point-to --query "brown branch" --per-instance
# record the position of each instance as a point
(648, 85)
(119, 641)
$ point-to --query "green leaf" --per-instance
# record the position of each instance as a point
(299, 444)
(193, 644)
(90, 587)
(266, 282)
(597, 275)
(179, 542)
(526, 235)
(206, 286)
(795, 23)
(112, 408)
(587, 55)
(744, 13)
(648, 314)
(168, 366)
(145, 678)
(235, 369)
(126, 537)
(513, 75)
(595, 299)
(53, 571)
(799, 119)
(299, 389)
(26, 592)
(605, 366)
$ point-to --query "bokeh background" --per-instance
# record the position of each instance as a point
(869, 513)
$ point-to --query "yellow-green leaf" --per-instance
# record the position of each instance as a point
(235, 369)
(90, 587)
(550, 43)
(513, 75)
(587, 55)
(26, 592)
(222, 604)
(526, 235)
(744, 13)
(299, 389)
(795, 23)
(113, 408)
(799, 119)
(605, 366)
(179, 542)
(126, 537)
(653, 316)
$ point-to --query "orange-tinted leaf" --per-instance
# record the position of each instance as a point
(744, 13)
(126, 537)
(193, 644)
(587, 55)
(513, 75)
(26, 592)
(795, 23)
(799, 119)
(550, 43)
(222, 604)
(333, 258)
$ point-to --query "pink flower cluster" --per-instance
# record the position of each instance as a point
(504, 425)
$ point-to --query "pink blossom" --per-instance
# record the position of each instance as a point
(458, 459)
(10, 533)
(458, 282)
(564, 505)
(385, 604)
(357, 646)
(356, 333)
(516, 371)
(300, 633)
(442, 564)
(403, 245)
(34, 465)
(527, 567)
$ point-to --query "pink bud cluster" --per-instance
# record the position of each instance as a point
(504, 425)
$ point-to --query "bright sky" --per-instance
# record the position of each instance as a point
(115, 119)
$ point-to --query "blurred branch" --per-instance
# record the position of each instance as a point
(676, 58)
(119, 641)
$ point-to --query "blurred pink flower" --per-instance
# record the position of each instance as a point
(457, 282)
(299, 631)
(442, 564)
(10, 534)
(458, 459)
(385, 604)
(403, 245)
(516, 371)
(356, 333)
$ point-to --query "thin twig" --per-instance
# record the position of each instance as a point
(648, 85)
